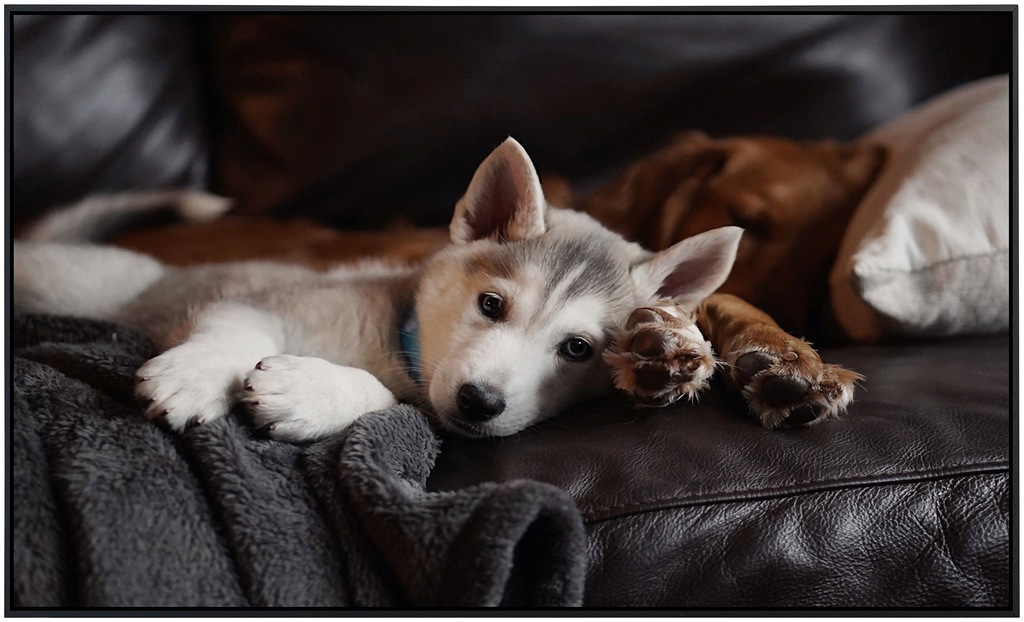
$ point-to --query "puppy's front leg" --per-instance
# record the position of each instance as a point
(200, 379)
(782, 377)
(299, 398)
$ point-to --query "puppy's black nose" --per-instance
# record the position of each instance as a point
(479, 403)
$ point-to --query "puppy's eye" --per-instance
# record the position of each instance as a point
(491, 305)
(575, 349)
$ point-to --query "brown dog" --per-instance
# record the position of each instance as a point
(793, 199)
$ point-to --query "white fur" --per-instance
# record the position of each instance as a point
(301, 397)
(85, 220)
(327, 342)
(50, 277)
(519, 357)
(692, 269)
(200, 379)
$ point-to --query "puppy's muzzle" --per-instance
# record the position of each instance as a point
(479, 402)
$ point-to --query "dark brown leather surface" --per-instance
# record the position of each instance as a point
(915, 473)
(930, 543)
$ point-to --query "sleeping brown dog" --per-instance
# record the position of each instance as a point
(793, 199)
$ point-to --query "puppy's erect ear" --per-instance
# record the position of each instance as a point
(691, 270)
(504, 200)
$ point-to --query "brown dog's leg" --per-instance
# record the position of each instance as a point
(782, 377)
(662, 356)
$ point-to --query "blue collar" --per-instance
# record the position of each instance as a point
(409, 342)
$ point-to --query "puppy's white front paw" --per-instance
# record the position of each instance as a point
(299, 398)
(187, 385)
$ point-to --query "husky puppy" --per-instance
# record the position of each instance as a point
(511, 318)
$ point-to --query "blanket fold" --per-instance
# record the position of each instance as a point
(110, 510)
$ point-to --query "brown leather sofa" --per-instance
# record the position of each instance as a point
(360, 120)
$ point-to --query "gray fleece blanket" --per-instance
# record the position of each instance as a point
(109, 510)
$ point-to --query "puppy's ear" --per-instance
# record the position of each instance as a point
(691, 270)
(504, 201)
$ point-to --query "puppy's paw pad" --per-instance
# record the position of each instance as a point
(660, 357)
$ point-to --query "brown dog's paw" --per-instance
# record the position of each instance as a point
(660, 356)
(792, 387)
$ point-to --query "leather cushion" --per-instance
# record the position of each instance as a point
(102, 103)
(929, 543)
(698, 505)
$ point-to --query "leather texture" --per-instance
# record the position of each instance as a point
(359, 120)
(934, 543)
(103, 103)
(903, 502)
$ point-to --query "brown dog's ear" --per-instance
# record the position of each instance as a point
(703, 166)
(691, 270)
(646, 202)
(504, 200)
(861, 162)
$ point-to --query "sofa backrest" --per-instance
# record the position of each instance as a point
(102, 103)
(359, 119)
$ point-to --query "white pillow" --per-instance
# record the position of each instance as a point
(927, 251)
